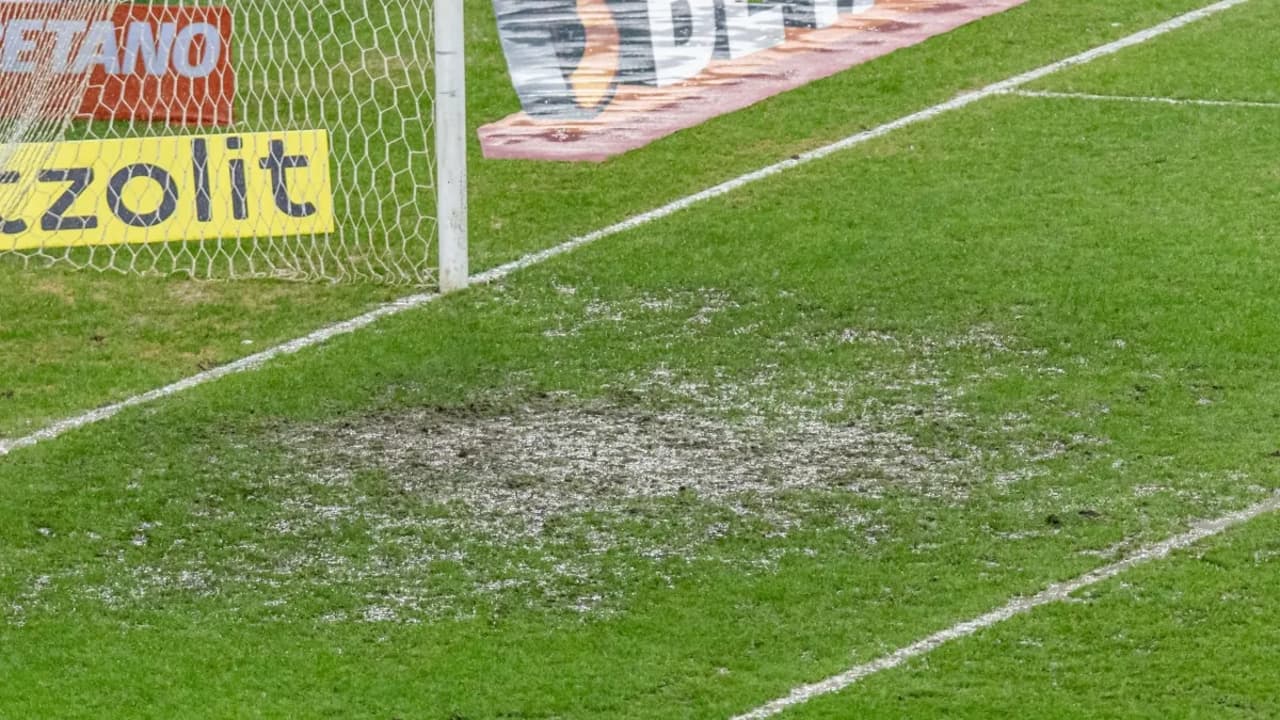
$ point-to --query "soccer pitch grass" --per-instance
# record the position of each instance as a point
(687, 469)
(101, 339)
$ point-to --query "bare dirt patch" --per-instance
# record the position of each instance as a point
(562, 503)
(566, 456)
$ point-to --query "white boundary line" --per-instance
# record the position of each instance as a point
(325, 334)
(1015, 607)
(1146, 99)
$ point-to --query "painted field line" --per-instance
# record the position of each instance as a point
(1017, 606)
(1146, 99)
(325, 334)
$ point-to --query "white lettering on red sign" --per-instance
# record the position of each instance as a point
(76, 47)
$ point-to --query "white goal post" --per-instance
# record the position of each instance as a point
(319, 140)
(451, 144)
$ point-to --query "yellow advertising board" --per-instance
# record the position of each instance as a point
(163, 189)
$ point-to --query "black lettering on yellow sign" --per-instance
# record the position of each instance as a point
(177, 188)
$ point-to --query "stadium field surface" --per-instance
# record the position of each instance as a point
(698, 466)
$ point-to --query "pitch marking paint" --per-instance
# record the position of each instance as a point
(1018, 606)
(1146, 99)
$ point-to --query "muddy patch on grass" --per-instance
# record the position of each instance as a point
(561, 457)
(567, 505)
(561, 503)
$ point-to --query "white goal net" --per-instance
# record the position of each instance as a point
(220, 138)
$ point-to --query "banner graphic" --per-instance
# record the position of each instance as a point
(597, 78)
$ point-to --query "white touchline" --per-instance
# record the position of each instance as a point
(502, 271)
(1015, 607)
(1146, 99)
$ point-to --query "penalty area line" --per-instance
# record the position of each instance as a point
(1201, 102)
(1018, 606)
(411, 302)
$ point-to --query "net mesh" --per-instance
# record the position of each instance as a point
(167, 146)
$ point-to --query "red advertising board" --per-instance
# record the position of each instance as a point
(154, 63)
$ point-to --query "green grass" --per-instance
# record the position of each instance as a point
(519, 207)
(1188, 638)
(908, 382)
(78, 340)
(1203, 61)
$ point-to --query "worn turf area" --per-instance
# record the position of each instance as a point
(677, 474)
